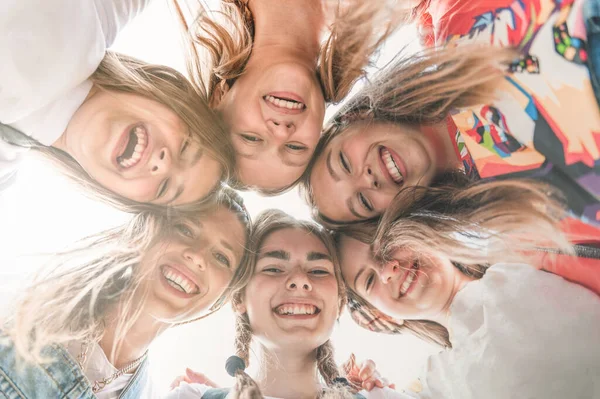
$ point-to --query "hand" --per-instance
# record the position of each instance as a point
(191, 377)
(364, 375)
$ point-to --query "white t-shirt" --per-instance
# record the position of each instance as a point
(518, 333)
(97, 367)
(48, 50)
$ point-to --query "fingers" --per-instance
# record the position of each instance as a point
(199, 378)
(176, 382)
(367, 370)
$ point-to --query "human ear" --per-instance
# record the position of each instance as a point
(240, 308)
(221, 89)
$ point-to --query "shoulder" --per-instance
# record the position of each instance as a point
(59, 377)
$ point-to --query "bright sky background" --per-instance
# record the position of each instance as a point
(43, 214)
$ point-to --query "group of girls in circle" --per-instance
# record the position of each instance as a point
(456, 195)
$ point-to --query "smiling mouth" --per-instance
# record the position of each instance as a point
(411, 276)
(179, 281)
(136, 145)
(284, 103)
(390, 165)
(291, 309)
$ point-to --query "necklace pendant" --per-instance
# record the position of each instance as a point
(98, 386)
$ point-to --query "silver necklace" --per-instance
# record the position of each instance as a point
(99, 385)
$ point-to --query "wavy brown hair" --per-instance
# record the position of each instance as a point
(267, 223)
(71, 297)
(418, 89)
(219, 45)
(119, 72)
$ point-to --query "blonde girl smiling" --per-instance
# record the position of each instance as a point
(84, 327)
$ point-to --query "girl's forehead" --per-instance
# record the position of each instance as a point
(294, 240)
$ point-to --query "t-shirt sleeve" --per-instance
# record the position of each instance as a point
(187, 391)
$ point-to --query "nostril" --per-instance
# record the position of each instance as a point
(289, 125)
(369, 171)
(276, 124)
(162, 155)
(293, 285)
(154, 169)
(376, 184)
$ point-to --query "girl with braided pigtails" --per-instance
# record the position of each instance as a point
(289, 305)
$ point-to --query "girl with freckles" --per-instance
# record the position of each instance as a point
(133, 134)
(83, 328)
(476, 289)
(270, 67)
(288, 305)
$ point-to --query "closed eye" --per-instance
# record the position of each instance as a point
(272, 269)
(250, 139)
(369, 282)
(162, 189)
(320, 272)
(365, 202)
(185, 145)
(344, 162)
(296, 147)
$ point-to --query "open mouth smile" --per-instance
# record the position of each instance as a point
(296, 309)
(137, 142)
(411, 277)
(284, 103)
(179, 281)
(391, 165)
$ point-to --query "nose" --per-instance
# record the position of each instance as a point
(281, 129)
(160, 163)
(195, 257)
(367, 179)
(389, 271)
(299, 281)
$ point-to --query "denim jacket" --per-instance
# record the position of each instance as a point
(60, 378)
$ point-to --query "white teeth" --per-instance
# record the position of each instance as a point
(179, 282)
(142, 142)
(407, 282)
(296, 309)
(391, 166)
(284, 103)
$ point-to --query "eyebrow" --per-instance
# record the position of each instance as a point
(357, 276)
(334, 175)
(279, 254)
(317, 256)
(352, 210)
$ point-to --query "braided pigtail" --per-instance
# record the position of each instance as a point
(337, 386)
(245, 387)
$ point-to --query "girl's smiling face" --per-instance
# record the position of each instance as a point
(190, 269)
(292, 299)
(140, 149)
(409, 286)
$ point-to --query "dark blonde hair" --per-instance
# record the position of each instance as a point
(473, 224)
(267, 223)
(419, 89)
(70, 298)
(220, 44)
(122, 73)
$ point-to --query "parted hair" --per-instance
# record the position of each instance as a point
(123, 73)
(414, 90)
(267, 223)
(71, 298)
(473, 224)
(219, 45)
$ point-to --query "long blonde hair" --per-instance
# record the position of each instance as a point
(70, 299)
(473, 224)
(416, 89)
(119, 72)
(266, 224)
